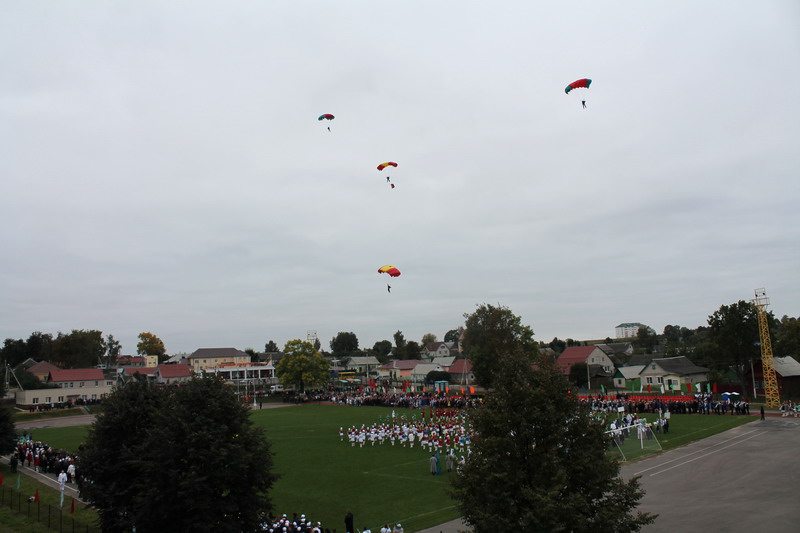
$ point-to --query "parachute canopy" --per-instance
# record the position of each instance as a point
(389, 269)
(578, 84)
(326, 116)
(387, 164)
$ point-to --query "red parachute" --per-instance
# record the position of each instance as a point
(582, 83)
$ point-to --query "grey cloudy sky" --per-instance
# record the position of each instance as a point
(163, 168)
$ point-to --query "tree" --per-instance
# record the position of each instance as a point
(14, 351)
(453, 335)
(28, 381)
(317, 344)
(113, 349)
(733, 329)
(149, 344)
(79, 349)
(40, 346)
(217, 479)
(381, 350)
(428, 337)
(271, 347)
(344, 344)
(399, 346)
(437, 375)
(579, 375)
(491, 334)
(8, 434)
(413, 350)
(646, 339)
(539, 462)
(557, 345)
(787, 338)
(302, 365)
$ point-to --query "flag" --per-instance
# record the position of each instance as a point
(714, 387)
(632, 386)
(689, 387)
(36, 496)
(708, 387)
(671, 386)
(462, 391)
(471, 389)
(72, 506)
(697, 387)
(648, 388)
(662, 388)
(61, 502)
(602, 388)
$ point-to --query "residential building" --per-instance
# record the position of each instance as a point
(169, 374)
(787, 374)
(74, 384)
(204, 358)
(362, 364)
(627, 330)
(461, 372)
(672, 372)
(591, 355)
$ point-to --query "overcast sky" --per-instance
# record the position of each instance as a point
(163, 168)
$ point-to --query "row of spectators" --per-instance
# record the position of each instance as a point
(43, 458)
(700, 404)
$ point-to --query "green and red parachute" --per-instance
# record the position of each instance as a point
(582, 83)
(326, 116)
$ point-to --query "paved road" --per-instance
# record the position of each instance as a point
(744, 480)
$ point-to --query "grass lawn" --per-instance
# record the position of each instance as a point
(323, 477)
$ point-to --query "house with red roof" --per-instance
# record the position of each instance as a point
(169, 374)
(461, 372)
(42, 369)
(72, 385)
(591, 355)
(398, 369)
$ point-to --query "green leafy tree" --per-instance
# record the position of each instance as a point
(113, 349)
(7, 431)
(733, 329)
(539, 463)
(491, 334)
(437, 375)
(271, 347)
(413, 350)
(40, 346)
(428, 337)
(381, 350)
(30, 382)
(646, 339)
(302, 366)
(79, 349)
(453, 335)
(14, 351)
(317, 344)
(150, 344)
(345, 343)
(579, 375)
(557, 345)
(217, 479)
(787, 338)
(400, 346)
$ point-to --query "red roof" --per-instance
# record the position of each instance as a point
(42, 368)
(461, 366)
(174, 371)
(572, 355)
(76, 374)
(145, 371)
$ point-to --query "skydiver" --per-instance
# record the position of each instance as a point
(329, 128)
(387, 179)
(584, 103)
(388, 287)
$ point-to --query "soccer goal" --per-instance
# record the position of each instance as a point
(633, 442)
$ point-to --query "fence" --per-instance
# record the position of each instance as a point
(55, 518)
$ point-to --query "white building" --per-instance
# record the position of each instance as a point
(627, 330)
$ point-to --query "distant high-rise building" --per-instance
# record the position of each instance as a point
(627, 329)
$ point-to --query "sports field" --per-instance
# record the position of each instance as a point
(323, 477)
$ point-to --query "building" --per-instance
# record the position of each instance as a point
(591, 355)
(673, 373)
(627, 330)
(461, 372)
(787, 374)
(362, 364)
(74, 384)
(258, 372)
(437, 349)
(204, 358)
(169, 374)
(625, 375)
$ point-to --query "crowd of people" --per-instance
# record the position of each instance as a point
(300, 524)
(410, 400)
(698, 404)
(43, 458)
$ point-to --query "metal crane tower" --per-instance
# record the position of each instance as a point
(767, 363)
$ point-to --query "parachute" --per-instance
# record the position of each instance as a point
(582, 83)
(326, 116)
(389, 269)
(387, 164)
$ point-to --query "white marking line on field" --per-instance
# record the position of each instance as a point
(425, 514)
(706, 455)
(692, 453)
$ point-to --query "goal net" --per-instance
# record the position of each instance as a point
(635, 441)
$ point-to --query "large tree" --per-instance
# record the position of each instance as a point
(271, 347)
(453, 334)
(399, 345)
(182, 458)
(7, 431)
(79, 349)
(428, 337)
(150, 344)
(344, 344)
(733, 329)
(491, 334)
(381, 350)
(302, 365)
(413, 350)
(787, 338)
(539, 461)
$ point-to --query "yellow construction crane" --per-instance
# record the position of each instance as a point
(771, 393)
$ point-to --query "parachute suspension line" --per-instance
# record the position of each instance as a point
(771, 393)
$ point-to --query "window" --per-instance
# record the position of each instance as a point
(81, 384)
(83, 397)
(660, 379)
(94, 396)
(60, 398)
(649, 380)
(36, 400)
(96, 383)
(48, 399)
(109, 383)
(71, 384)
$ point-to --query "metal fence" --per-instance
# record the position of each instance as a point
(55, 518)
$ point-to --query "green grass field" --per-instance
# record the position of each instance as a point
(323, 477)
